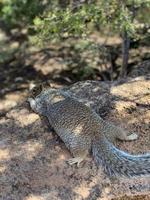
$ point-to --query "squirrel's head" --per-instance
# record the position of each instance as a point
(35, 90)
(45, 94)
(50, 95)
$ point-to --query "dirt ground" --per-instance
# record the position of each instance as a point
(33, 160)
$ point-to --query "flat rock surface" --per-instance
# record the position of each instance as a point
(33, 161)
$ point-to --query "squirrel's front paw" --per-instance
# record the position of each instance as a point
(73, 161)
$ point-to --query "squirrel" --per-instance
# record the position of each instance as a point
(83, 131)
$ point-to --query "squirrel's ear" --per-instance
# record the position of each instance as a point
(41, 86)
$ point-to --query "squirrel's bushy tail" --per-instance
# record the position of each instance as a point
(117, 162)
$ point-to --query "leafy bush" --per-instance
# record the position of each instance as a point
(118, 16)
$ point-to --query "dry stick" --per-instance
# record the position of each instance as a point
(125, 52)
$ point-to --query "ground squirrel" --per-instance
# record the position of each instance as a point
(83, 131)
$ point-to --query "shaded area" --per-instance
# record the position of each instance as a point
(65, 63)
